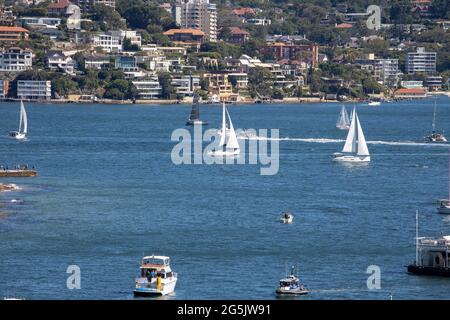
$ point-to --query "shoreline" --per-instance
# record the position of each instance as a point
(159, 102)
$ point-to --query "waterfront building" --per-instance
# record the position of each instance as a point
(421, 61)
(434, 83)
(148, 89)
(186, 85)
(219, 85)
(34, 90)
(413, 93)
(16, 60)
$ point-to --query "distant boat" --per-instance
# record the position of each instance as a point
(374, 103)
(355, 149)
(228, 144)
(343, 122)
(287, 218)
(23, 125)
(290, 285)
(435, 136)
(194, 117)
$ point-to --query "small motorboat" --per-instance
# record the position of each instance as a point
(374, 103)
(287, 218)
(290, 285)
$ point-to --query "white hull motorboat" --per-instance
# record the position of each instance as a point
(287, 218)
(156, 277)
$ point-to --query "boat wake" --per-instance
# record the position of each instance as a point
(326, 140)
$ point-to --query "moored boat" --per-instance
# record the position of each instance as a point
(432, 255)
(287, 218)
(435, 137)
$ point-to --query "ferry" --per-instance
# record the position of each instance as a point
(156, 277)
(432, 255)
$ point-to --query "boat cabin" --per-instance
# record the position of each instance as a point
(434, 252)
(153, 267)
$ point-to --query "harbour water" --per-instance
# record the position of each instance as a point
(107, 193)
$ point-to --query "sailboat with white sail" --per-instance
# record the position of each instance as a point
(355, 149)
(228, 144)
(23, 125)
(435, 136)
(194, 117)
(343, 122)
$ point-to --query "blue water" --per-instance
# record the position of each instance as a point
(107, 193)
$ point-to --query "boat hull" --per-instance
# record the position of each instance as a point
(196, 122)
(18, 173)
(429, 271)
(220, 153)
(167, 288)
(17, 135)
(443, 210)
(352, 159)
(343, 127)
(292, 292)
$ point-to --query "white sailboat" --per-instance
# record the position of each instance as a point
(23, 125)
(435, 136)
(228, 144)
(343, 122)
(355, 148)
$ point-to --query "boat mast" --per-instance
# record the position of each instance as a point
(434, 117)
(417, 237)
(449, 174)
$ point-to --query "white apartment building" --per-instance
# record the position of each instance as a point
(148, 89)
(34, 90)
(57, 60)
(197, 14)
(112, 41)
(186, 85)
(86, 5)
(16, 60)
(44, 22)
(385, 71)
(421, 61)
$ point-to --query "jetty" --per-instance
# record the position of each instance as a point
(18, 173)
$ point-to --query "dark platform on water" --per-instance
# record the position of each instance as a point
(18, 173)
(429, 271)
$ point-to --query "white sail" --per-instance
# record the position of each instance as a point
(362, 145)
(223, 134)
(232, 142)
(350, 142)
(23, 117)
(343, 120)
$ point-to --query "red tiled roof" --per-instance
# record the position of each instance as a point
(59, 4)
(344, 26)
(195, 32)
(243, 11)
(237, 30)
(411, 90)
(12, 29)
